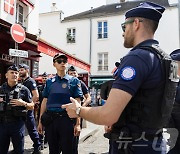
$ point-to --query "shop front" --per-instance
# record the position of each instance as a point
(29, 47)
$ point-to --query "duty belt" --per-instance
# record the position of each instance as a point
(8, 119)
(56, 114)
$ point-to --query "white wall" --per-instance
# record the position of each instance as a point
(30, 16)
(55, 32)
(5, 16)
(168, 30)
(46, 64)
(33, 19)
(112, 1)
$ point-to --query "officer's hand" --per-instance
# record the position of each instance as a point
(71, 108)
(77, 130)
(40, 128)
(17, 102)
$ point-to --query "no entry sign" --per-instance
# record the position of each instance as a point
(18, 33)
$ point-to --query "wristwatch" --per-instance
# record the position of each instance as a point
(78, 110)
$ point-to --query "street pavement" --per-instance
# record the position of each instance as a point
(87, 132)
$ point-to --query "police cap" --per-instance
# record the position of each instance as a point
(58, 56)
(146, 10)
(72, 68)
(24, 66)
(13, 68)
(175, 55)
(44, 74)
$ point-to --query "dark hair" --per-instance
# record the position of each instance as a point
(150, 25)
(72, 68)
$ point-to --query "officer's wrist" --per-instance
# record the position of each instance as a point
(25, 105)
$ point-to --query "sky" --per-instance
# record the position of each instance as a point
(70, 7)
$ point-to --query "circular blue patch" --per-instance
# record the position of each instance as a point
(128, 73)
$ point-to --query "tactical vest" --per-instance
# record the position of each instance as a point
(7, 96)
(59, 93)
(150, 109)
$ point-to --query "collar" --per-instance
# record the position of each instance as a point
(11, 88)
(26, 79)
(66, 77)
(149, 42)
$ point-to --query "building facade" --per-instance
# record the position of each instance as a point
(24, 13)
(96, 35)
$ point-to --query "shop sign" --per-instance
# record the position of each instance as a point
(7, 58)
(18, 53)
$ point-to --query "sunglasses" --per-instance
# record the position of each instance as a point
(44, 78)
(123, 25)
(59, 61)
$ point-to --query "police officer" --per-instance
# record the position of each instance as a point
(87, 100)
(30, 121)
(141, 98)
(43, 137)
(175, 116)
(58, 90)
(15, 99)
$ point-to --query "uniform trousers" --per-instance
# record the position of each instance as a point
(15, 131)
(32, 129)
(60, 135)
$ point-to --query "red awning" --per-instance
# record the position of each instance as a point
(28, 3)
(51, 50)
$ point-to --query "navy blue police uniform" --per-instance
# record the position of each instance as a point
(12, 124)
(60, 131)
(144, 73)
(30, 121)
(84, 88)
(43, 137)
(175, 116)
(139, 68)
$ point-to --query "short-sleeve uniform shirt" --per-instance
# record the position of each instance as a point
(84, 88)
(140, 68)
(72, 83)
(30, 83)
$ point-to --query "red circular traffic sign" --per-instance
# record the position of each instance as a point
(18, 33)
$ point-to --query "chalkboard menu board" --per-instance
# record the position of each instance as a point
(35, 69)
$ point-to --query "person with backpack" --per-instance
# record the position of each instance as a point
(140, 102)
(59, 127)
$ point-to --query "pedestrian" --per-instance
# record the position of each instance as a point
(43, 137)
(140, 101)
(86, 101)
(175, 116)
(59, 127)
(30, 121)
(15, 100)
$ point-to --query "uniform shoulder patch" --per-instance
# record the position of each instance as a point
(34, 84)
(128, 73)
(53, 79)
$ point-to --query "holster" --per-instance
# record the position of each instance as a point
(46, 119)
